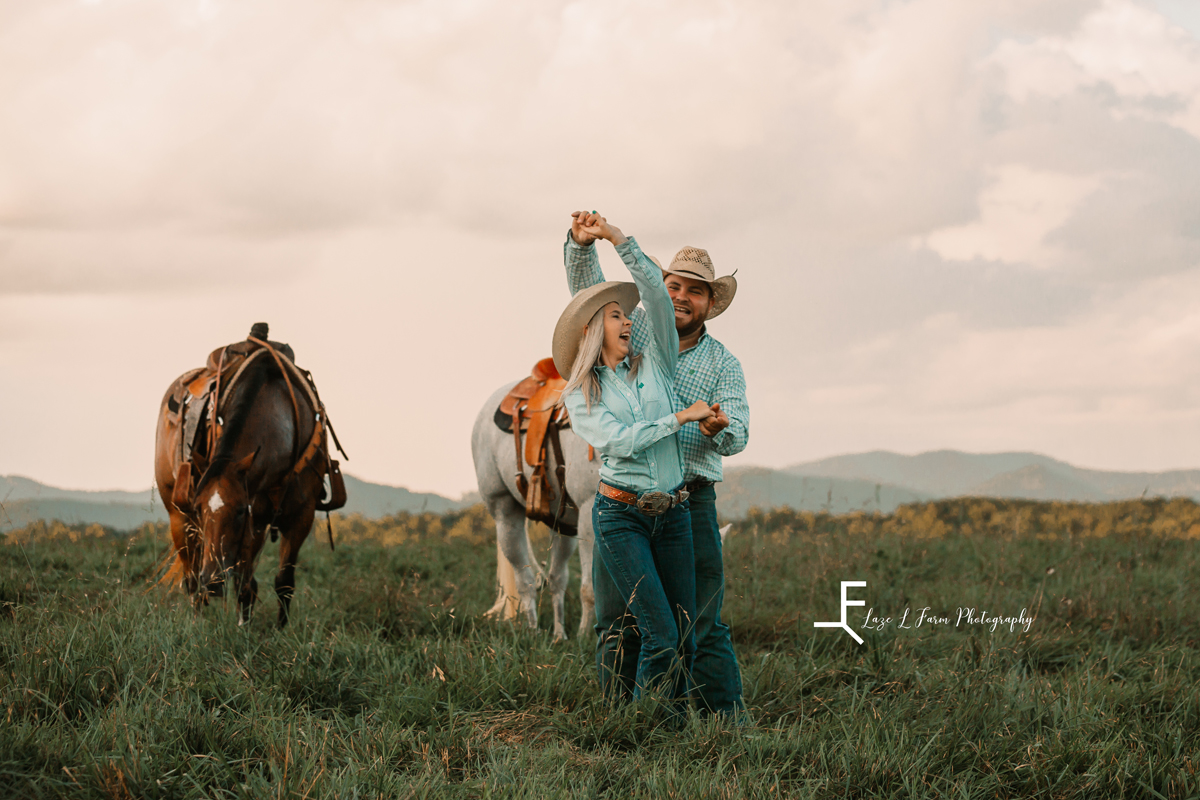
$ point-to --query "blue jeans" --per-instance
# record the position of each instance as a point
(717, 679)
(651, 569)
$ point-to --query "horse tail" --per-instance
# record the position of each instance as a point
(509, 600)
(173, 574)
(237, 413)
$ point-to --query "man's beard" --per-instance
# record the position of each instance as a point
(693, 326)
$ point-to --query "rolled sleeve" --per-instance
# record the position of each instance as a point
(582, 265)
(730, 392)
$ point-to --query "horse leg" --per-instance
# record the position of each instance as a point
(587, 595)
(293, 535)
(561, 548)
(247, 597)
(515, 547)
(285, 579)
(247, 584)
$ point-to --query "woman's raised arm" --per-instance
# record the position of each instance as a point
(648, 278)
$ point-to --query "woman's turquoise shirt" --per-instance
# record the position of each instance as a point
(631, 426)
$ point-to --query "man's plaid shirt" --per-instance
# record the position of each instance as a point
(706, 372)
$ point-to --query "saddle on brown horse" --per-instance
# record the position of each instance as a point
(531, 407)
(196, 407)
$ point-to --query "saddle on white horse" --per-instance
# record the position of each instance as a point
(531, 407)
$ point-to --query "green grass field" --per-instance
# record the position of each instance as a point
(389, 684)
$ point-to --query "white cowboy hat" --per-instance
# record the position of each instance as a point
(579, 312)
(694, 263)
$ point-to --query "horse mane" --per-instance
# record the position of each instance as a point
(244, 393)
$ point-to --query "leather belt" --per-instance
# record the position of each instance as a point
(652, 504)
(697, 485)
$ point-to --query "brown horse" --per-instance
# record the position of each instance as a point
(256, 461)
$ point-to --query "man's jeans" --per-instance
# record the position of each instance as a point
(718, 682)
(650, 569)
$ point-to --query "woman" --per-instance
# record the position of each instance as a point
(622, 404)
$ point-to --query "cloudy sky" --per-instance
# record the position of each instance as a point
(969, 225)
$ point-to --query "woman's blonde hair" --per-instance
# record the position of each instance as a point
(591, 348)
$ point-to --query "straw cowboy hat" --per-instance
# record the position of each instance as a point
(579, 312)
(694, 263)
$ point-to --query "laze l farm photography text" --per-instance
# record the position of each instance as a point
(961, 617)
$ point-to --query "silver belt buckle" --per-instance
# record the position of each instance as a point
(652, 504)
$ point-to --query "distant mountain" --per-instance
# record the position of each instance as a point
(748, 487)
(1121, 485)
(1087, 485)
(950, 473)
(16, 487)
(374, 500)
(23, 500)
(941, 473)
(122, 516)
(1037, 482)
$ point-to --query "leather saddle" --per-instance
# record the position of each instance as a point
(195, 400)
(531, 407)
(196, 403)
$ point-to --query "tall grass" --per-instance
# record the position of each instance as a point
(388, 684)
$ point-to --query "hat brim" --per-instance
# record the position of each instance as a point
(579, 312)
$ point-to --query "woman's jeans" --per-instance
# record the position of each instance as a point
(650, 560)
(716, 680)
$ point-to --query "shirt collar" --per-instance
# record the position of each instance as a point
(623, 366)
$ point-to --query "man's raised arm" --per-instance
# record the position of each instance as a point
(579, 255)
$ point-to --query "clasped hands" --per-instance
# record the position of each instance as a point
(587, 227)
(719, 421)
(711, 418)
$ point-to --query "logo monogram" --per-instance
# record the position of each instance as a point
(845, 604)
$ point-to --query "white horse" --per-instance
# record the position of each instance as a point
(517, 570)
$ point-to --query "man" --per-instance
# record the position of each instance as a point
(708, 372)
